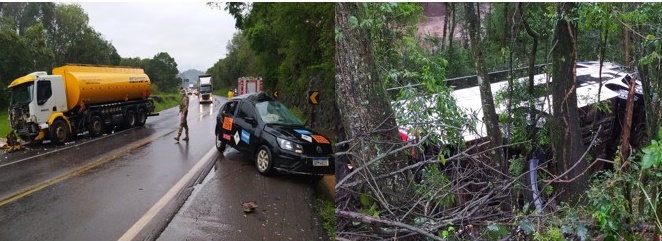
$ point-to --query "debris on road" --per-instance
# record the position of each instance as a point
(12, 143)
(249, 206)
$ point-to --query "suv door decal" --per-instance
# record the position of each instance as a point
(236, 137)
(227, 123)
(245, 136)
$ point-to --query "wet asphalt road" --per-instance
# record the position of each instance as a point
(97, 189)
(214, 211)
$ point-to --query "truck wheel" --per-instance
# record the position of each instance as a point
(96, 126)
(220, 145)
(130, 119)
(263, 161)
(141, 117)
(59, 132)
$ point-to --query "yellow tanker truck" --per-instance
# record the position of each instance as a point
(76, 99)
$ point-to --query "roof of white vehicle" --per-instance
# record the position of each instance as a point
(588, 76)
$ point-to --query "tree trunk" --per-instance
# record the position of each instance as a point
(532, 66)
(506, 24)
(627, 48)
(566, 134)
(451, 34)
(446, 26)
(364, 106)
(490, 117)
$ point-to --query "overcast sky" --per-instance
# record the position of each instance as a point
(194, 34)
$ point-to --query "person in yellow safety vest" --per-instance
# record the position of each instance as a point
(230, 94)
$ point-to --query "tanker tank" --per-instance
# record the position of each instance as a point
(98, 85)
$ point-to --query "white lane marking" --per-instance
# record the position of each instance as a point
(170, 195)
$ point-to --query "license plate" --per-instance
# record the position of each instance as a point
(318, 162)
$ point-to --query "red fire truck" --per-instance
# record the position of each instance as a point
(247, 85)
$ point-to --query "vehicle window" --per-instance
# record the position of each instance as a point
(21, 94)
(230, 108)
(44, 92)
(245, 110)
(273, 112)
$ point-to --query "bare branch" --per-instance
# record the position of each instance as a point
(371, 220)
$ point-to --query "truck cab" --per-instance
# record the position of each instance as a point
(205, 89)
(34, 102)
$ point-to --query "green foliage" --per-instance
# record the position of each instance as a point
(517, 166)
(435, 187)
(327, 211)
(391, 29)
(502, 37)
(520, 123)
(240, 61)
(652, 156)
(496, 231)
(552, 234)
(446, 233)
(162, 71)
(299, 114)
(370, 207)
(608, 204)
(291, 46)
(165, 101)
(4, 123)
(75, 41)
(14, 60)
(462, 64)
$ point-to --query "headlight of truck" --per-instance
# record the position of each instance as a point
(289, 145)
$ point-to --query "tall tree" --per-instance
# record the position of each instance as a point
(162, 70)
(490, 118)
(365, 111)
(566, 134)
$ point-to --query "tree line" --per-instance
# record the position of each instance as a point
(38, 36)
(289, 45)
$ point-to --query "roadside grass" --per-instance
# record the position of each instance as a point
(327, 212)
(4, 124)
(325, 206)
(165, 101)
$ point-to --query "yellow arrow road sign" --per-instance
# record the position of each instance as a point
(312, 96)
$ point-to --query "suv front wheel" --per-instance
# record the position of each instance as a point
(263, 161)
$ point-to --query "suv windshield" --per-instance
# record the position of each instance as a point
(21, 94)
(273, 112)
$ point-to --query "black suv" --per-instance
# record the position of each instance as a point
(257, 125)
